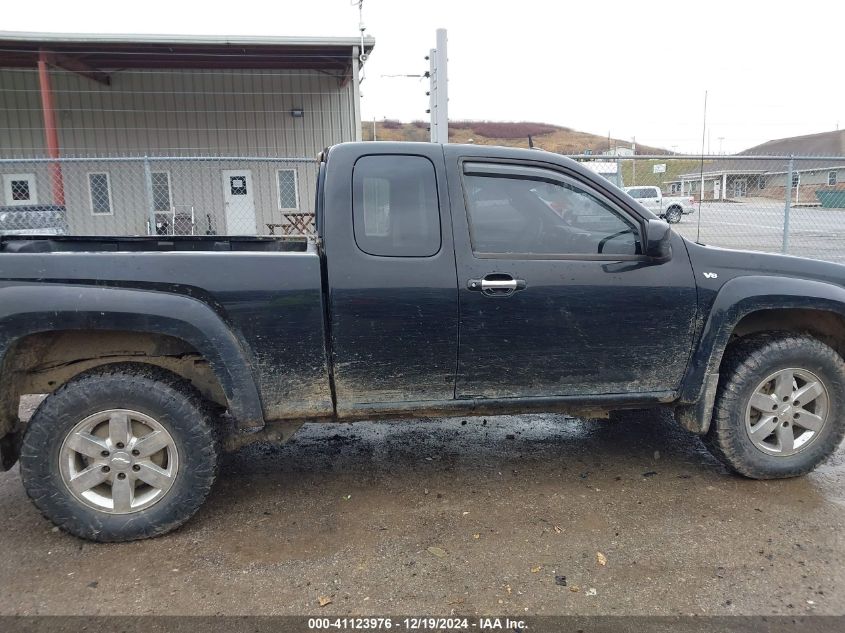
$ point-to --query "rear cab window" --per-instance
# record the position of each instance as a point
(395, 209)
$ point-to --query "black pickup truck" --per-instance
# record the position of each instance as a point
(444, 280)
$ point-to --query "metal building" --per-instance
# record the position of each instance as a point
(114, 99)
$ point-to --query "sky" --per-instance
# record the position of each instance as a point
(630, 69)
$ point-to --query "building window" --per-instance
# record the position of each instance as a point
(831, 178)
(19, 189)
(162, 197)
(288, 184)
(796, 179)
(99, 189)
(395, 210)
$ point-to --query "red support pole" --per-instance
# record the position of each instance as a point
(51, 130)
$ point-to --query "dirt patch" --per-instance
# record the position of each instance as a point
(459, 516)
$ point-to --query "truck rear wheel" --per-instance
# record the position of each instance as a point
(780, 407)
(120, 453)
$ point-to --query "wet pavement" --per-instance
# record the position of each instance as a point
(459, 516)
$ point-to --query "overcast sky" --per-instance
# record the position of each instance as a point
(772, 69)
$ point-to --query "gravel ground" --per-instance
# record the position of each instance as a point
(459, 517)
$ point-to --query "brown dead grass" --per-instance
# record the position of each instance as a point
(553, 138)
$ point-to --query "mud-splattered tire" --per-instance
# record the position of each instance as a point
(77, 432)
(758, 369)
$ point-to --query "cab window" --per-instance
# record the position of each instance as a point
(517, 214)
(395, 211)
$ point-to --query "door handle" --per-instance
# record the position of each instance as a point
(496, 285)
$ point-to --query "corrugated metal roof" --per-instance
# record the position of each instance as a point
(132, 38)
(816, 145)
(822, 144)
(114, 51)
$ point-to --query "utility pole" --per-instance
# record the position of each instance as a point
(438, 93)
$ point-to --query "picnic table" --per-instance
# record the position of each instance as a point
(296, 224)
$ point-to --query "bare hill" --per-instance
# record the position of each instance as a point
(553, 138)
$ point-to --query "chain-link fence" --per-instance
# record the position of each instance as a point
(158, 196)
(778, 204)
(793, 205)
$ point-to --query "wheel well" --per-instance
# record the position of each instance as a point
(41, 363)
(828, 327)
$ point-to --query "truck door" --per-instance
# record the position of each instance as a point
(556, 298)
(390, 261)
(654, 201)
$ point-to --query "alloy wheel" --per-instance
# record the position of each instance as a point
(787, 412)
(118, 461)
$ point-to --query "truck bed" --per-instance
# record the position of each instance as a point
(267, 292)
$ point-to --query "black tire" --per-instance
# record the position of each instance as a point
(171, 401)
(674, 214)
(746, 364)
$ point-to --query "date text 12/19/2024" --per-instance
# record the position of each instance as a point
(415, 624)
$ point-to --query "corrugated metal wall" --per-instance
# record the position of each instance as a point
(179, 112)
(243, 113)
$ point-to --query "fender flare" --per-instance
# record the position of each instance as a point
(736, 299)
(27, 309)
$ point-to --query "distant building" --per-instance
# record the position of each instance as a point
(606, 169)
(98, 96)
(731, 178)
(619, 151)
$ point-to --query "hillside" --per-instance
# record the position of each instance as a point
(553, 138)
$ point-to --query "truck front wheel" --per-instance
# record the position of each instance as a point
(673, 215)
(780, 406)
(120, 453)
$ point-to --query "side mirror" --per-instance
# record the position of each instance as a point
(658, 240)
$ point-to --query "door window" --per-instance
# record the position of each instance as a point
(237, 185)
(536, 216)
(395, 210)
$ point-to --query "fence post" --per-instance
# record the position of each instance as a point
(785, 247)
(148, 182)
